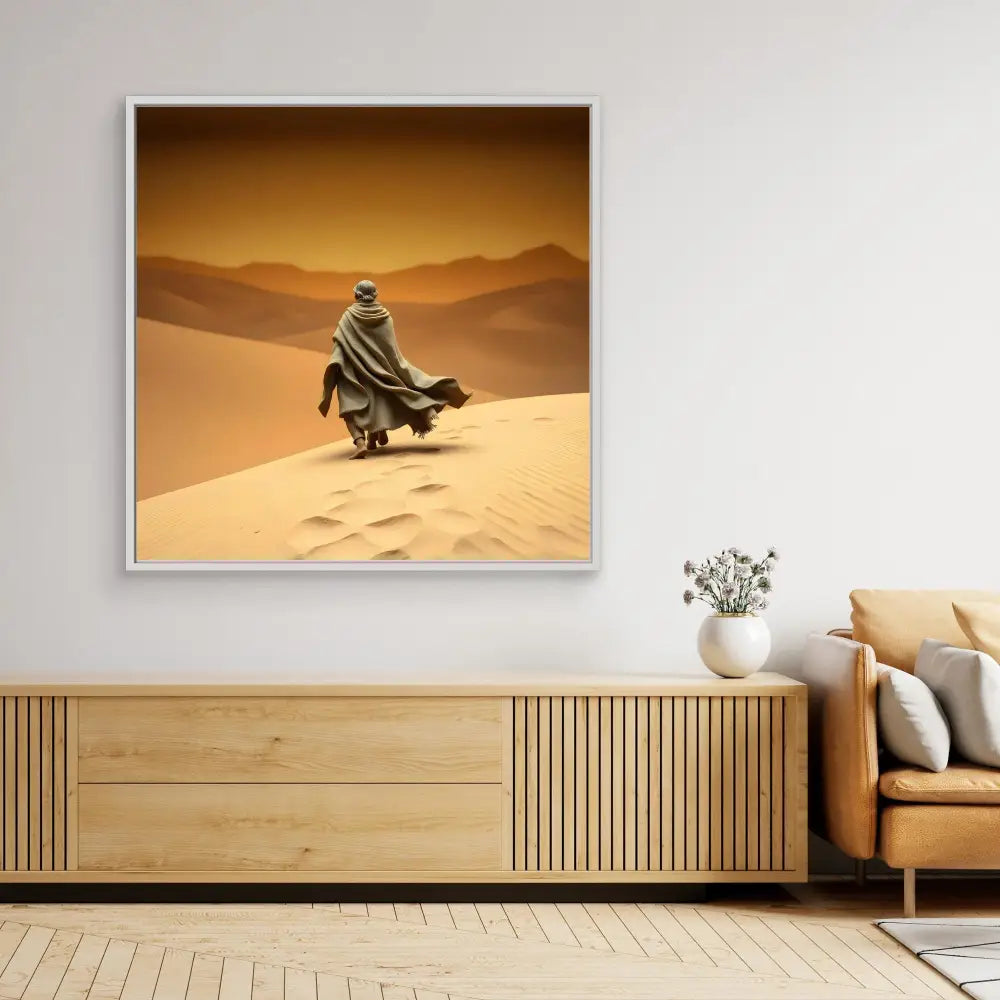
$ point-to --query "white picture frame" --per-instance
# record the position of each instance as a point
(133, 564)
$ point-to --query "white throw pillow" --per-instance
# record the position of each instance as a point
(928, 650)
(911, 723)
(967, 684)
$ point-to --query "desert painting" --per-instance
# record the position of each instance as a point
(421, 275)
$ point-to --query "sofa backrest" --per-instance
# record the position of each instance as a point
(895, 622)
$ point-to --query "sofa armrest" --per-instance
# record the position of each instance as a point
(843, 742)
(844, 633)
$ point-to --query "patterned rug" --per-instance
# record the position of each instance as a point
(966, 950)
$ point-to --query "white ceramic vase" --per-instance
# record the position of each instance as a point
(732, 645)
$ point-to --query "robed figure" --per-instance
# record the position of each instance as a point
(378, 390)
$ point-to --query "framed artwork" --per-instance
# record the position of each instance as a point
(361, 333)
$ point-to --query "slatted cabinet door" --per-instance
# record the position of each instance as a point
(38, 801)
(704, 785)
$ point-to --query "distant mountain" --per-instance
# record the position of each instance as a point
(521, 341)
(450, 282)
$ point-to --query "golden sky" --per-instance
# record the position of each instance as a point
(371, 188)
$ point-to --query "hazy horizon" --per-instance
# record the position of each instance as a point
(328, 186)
(261, 262)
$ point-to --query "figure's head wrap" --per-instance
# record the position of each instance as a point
(365, 291)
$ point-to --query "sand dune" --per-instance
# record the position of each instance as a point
(447, 282)
(208, 405)
(219, 305)
(529, 341)
(505, 480)
(526, 341)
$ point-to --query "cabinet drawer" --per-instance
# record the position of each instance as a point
(342, 828)
(290, 740)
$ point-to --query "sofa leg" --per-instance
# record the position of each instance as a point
(861, 871)
(909, 892)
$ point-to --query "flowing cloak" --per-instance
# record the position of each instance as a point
(377, 388)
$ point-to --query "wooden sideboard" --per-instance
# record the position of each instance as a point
(612, 779)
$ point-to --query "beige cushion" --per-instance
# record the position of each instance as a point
(980, 621)
(895, 622)
(958, 784)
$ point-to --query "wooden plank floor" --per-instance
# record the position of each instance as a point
(756, 943)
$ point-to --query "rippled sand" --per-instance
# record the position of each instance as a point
(503, 480)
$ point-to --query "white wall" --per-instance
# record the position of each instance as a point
(800, 217)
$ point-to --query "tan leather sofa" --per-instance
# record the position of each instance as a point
(861, 800)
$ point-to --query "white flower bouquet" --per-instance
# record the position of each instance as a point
(732, 582)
